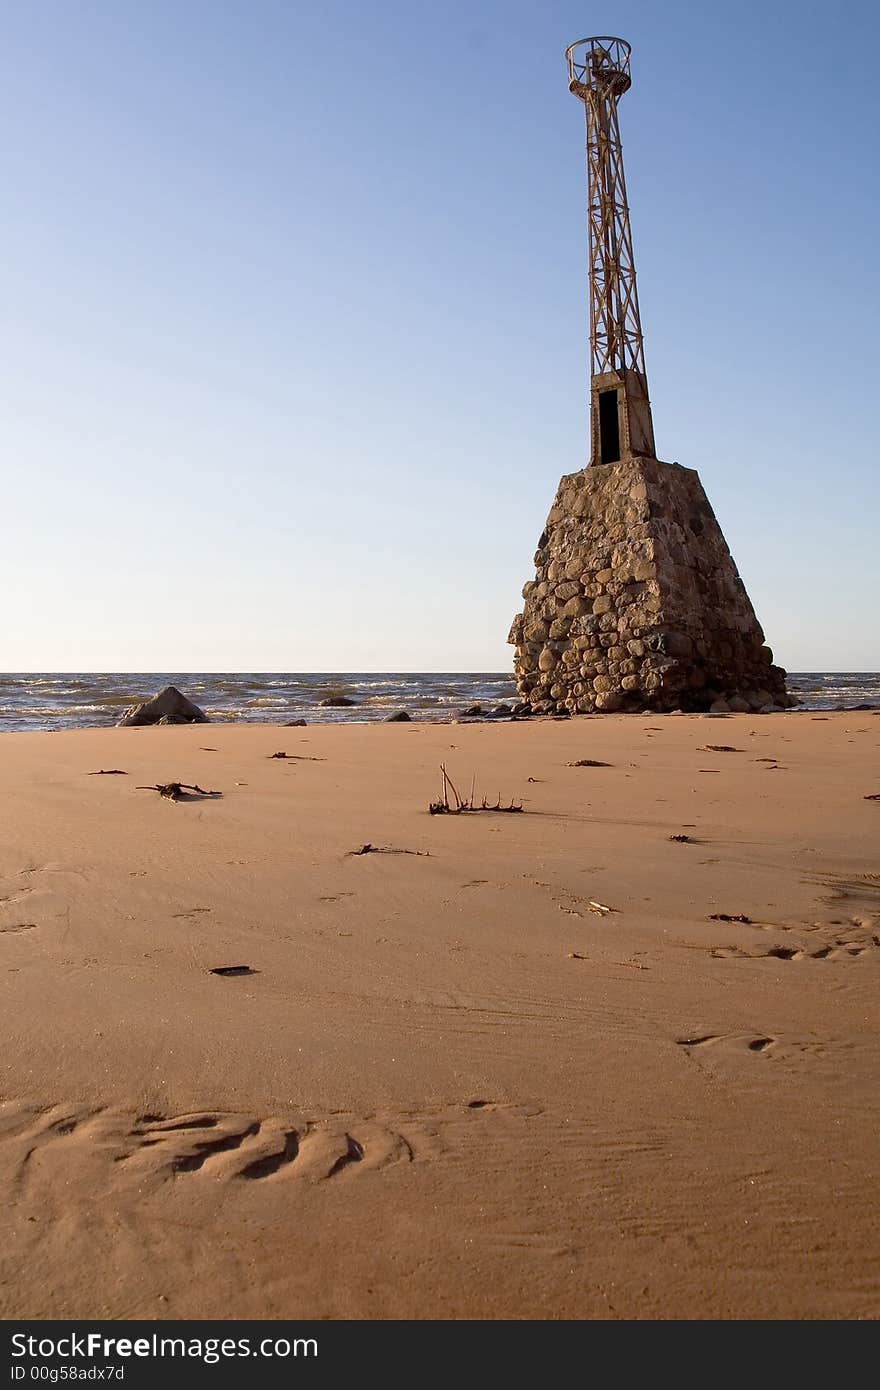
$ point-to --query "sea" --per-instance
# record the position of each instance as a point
(81, 700)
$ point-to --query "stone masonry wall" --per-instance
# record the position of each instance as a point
(637, 603)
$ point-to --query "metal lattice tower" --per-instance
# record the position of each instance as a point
(620, 411)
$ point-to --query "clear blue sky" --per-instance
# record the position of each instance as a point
(294, 319)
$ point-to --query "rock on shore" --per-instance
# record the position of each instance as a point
(168, 707)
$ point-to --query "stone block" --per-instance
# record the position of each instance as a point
(609, 701)
(567, 589)
(634, 579)
(575, 607)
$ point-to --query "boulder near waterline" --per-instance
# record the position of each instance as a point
(168, 707)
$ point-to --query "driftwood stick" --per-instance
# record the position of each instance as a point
(442, 807)
(173, 791)
(458, 801)
(297, 757)
(386, 849)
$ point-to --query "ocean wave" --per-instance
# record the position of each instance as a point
(44, 700)
(47, 711)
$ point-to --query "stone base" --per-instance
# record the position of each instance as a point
(637, 604)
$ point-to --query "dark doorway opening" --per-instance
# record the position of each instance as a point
(609, 427)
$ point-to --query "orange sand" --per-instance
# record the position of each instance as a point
(451, 1088)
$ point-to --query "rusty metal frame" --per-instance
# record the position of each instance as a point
(599, 74)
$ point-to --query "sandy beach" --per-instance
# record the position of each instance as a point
(555, 1064)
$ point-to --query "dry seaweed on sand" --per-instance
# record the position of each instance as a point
(730, 917)
(386, 849)
(459, 804)
(108, 772)
(297, 757)
(177, 791)
(587, 762)
(718, 748)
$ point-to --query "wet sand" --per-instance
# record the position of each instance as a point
(527, 1070)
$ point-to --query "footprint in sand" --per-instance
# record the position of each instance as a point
(860, 892)
(16, 897)
(838, 939)
(45, 1143)
(734, 1050)
(837, 950)
(211, 1145)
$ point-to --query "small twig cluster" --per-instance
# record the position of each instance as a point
(460, 804)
